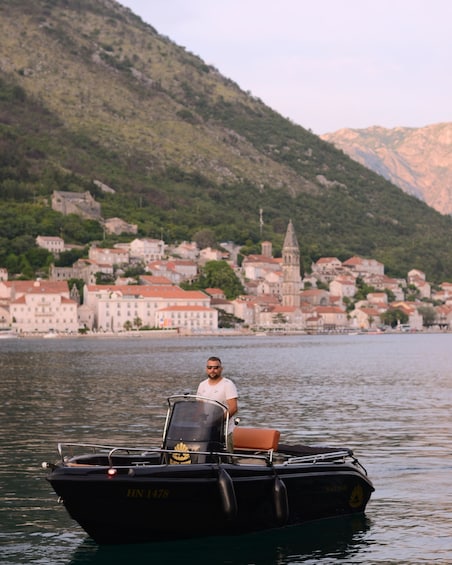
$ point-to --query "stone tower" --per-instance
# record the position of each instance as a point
(291, 269)
(266, 248)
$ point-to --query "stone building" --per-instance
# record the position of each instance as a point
(291, 285)
(79, 203)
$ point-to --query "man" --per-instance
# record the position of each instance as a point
(217, 387)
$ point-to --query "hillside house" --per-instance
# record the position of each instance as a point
(215, 293)
(271, 283)
(282, 317)
(326, 269)
(415, 320)
(209, 254)
(416, 278)
(415, 275)
(84, 269)
(360, 267)
(112, 257)
(343, 287)
(444, 316)
(334, 318)
(186, 250)
(176, 270)
(244, 309)
(379, 299)
(365, 318)
(444, 294)
(53, 244)
(147, 250)
(154, 280)
(315, 297)
(255, 267)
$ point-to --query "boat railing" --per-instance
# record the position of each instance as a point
(95, 448)
(266, 457)
(320, 457)
(67, 451)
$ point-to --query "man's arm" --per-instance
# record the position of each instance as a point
(232, 406)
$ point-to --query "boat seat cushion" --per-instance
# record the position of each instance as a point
(257, 439)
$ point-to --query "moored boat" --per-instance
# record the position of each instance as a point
(51, 334)
(8, 334)
(191, 486)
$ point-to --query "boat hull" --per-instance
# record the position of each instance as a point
(156, 502)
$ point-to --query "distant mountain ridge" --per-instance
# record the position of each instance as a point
(418, 160)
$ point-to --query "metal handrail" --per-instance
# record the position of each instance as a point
(106, 448)
(109, 451)
(267, 456)
(318, 457)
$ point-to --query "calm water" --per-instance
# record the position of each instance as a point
(388, 397)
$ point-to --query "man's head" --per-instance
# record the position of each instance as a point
(214, 368)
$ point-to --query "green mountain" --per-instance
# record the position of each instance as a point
(89, 92)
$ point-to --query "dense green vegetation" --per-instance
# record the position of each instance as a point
(217, 274)
(189, 156)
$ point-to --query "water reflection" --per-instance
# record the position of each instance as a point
(337, 538)
(387, 397)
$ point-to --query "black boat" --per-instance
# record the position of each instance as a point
(192, 486)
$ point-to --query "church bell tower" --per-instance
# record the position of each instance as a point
(291, 286)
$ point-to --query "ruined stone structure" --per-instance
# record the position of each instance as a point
(79, 203)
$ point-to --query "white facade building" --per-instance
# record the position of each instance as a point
(109, 257)
(116, 307)
(147, 250)
(42, 308)
(51, 243)
(192, 318)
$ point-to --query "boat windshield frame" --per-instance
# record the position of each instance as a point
(196, 412)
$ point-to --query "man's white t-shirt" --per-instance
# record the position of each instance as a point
(222, 391)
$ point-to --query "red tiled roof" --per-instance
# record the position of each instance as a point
(157, 291)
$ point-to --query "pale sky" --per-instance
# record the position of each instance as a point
(325, 64)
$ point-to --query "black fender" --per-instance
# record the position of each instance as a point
(227, 494)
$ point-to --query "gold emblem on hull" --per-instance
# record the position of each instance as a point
(180, 455)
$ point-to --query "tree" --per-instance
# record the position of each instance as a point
(279, 318)
(104, 278)
(39, 258)
(393, 317)
(134, 271)
(363, 289)
(226, 320)
(69, 257)
(137, 322)
(26, 270)
(205, 238)
(218, 274)
(79, 283)
(428, 315)
(390, 294)
(412, 292)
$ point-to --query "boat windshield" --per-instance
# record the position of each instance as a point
(195, 419)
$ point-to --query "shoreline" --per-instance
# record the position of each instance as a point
(174, 333)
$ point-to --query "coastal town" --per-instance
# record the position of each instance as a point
(276, 298)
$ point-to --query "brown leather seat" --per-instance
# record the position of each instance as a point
(256, 439)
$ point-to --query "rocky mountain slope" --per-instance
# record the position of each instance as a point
(106, 74)
(418, 160)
